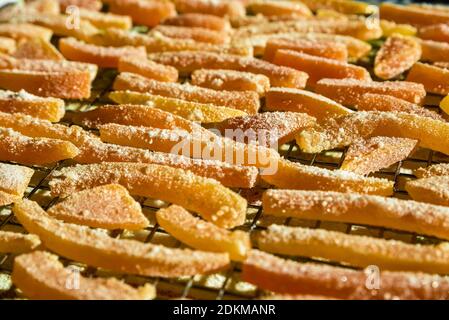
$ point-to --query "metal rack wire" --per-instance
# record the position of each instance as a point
(226, 285)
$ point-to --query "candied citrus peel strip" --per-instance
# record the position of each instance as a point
(51, 109)
(25, 30)
(343, 6)
(297, 176)
(434, 79)
(407, 215)
(297, 100)
(349, 91)
(97, 249)
(358, 28)
(196, 145)
(389, 28)
(187, 62)
(159, 43)
(412, 15)
(318, 67)
(236, 176)
(231, 80)
(203, 235)
(39, 275)
(440, 169)
(279, 8)
(435, 51)
(136, 115)
(358, 251)
(199, 20)
(435, 32)
(33, 151)
(242, 100)
(208, 197)
(147, 68)
(147, 13)
(108, 207)
(381, 102)
(316, 47)
(193, 111)
(93, 5)
(13, 182)
(270, 129)
(106, 57)
(194, 33)
(36, 48)
(230, 8)
(344, 131)
(431, 190)
(12, 242)
(396, 55)
(356, 48)
(367, 156)
(103, 20)
(290, 277)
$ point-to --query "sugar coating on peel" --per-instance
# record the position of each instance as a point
(95, 151)
(136, 115)
(358, 251)
(297, 176)
(187, 61)
(14, 179)
(194, 33)
(13, 242)
(316, 47)
(33, 151)
(203, 235)
(205, 196)
(356, 48)
(231, 8)
(318, 67)
(51, 109)
(397, 54)
(39, 275)
(106, 57)
(406, 215)
(357, 28)
(95, 248)
(104, 20)
(199, 20)
(243, 100)
(24, 30)
(349, 91)
(36, 48)
(346, 130)
(431, 190)
(108, 207)
(221, 79)
(147, 68)
(290, 277)
(440, 169)
(297, 100)
(193, 111)
(382, 102)
(367, 156)
(195, 144)
(269, 129)
(160, 43)
(33, 127)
